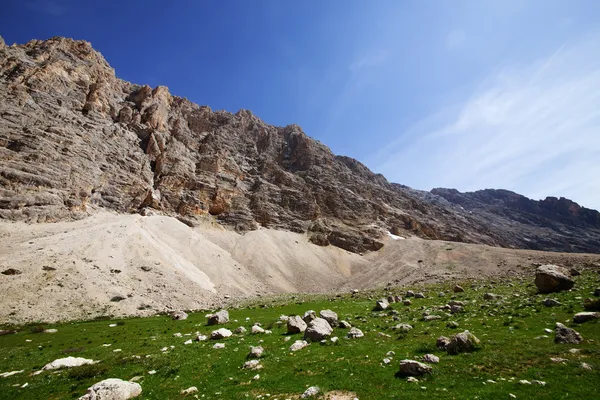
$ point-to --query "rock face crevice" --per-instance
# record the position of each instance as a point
(73, 134)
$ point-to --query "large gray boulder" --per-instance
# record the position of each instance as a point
(295, 324)
(462, 342)
(586, 316)
(220, 334)
(329, 316)
(317, 330)
(566, 335)
(381, 304)
(552, 278)
(112, 389)
(218, 318)
(414, 368)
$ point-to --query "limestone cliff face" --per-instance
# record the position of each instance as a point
(73, 134)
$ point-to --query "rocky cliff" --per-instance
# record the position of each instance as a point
(73, 135)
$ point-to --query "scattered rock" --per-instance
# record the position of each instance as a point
(330, 317)
(190, 390)
(218, 318)
(402, 327)
(412, 379)
(50, 330)
(591, 304)
(186, 342)
(201, 338)
(410, 293)
(112, 389)
(220, 334)
(11, 373)
(419, 295)
(442, 342)
(309, 316)
(345, 324)
(413, 368)
(490, 296)
(551, 302)
(539, 383)
(462, 342)
(257, 329)
(11, 271)
(552, 278)
(355, 333)
(586, 316)
(179, 315)
(430, 358)
(295, 324)
(311, 392)
(240, 330)
(586, 366)
(458, 289)
(255, 352)
(407, 302)
(317, 330)
(298, 345)
(219, 346)
(68, 362)
(381, 305)
(566, 335)
(334, 339)
(252, 364)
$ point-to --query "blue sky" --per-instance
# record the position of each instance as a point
(465, 94)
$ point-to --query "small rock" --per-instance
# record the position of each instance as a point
(381, 305)
(539, 383)
(295, 324)
(219, 346)
(566, 335)
(311, 392)
(582, 317)
(11, 271)
(442, 342)
(256, 352)
(190, 390)
(317, 330)
(188, 341)
(345, 324)
(334, 339)
(430, 358)
(220, 334)
(298, 344)
(431, 318)
(113, 389)
(257, 329)
(551, 302)
(309, 316)
(201, 338)
(462, 342)
(252, 364)
(355, 333)
(387, 360)
(410, 293)
(419, 295)
(240, 330)
(490, 296)
(458, 289)
(412, 379)
(414, 368)
(218, 318)
(179, 315)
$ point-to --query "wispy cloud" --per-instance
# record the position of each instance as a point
(47, 7)
(532, 129)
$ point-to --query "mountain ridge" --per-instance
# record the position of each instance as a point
(73, 135)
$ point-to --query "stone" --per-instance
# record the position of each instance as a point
(256, 352)
(402, 327)
(190, 390)
(552, 278)
(430, 358)
(413, 368)
(586, 316)
(201, 338)
(311, 392)
(298, 345)
(566, 335)
(11, 373)
(252, 364)
(221, 333)
(442, 342)
(218, 318)
(317, 330)
(240, 330)
(334, 339)
(458, 289)
(462, 342)
(551, 302)
(179, 315)
(11, 271)
(490, 296)
(419, 295)
(355, 333)
(50, 330)
(381, 305)
(68, 362)
(330, 317)
(407, 302)
(428, 318)
(410, 293)
(309, 316)
(456, 309)
(219, 346)
(591, 304)
(257, 329)
(452, 324)
(295, 324)
(112, 389)
(412, 379)
(345, 324)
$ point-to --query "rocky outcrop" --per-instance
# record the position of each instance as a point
(73, 136)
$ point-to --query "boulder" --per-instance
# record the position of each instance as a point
(586, 316)
(295, 324)
(240, 330)
(317, 330)
(391, 299)
(310, 392)
(419, 295)
(591, 304)
(551, 302)
(252, 364)
(220, 334)
(345, 324)
(462, 342)
(413, 368)
(442, 342)
(381, 305)
(255, 352)
(68, 362)
(407, 302)
(179, 315)
(566, 335)
(355, 333)
(298, 344)
(402, 327)
(330, 317)
(552, 278)
(257, 329)
(410, 293)
(218, 318)
(430, 358)
(112, 389)
(458, 289)
(309, 316)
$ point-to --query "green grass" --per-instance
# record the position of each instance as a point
(507, 328)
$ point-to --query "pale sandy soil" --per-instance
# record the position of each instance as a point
(158, 264)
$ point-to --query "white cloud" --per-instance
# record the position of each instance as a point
(533, 129)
